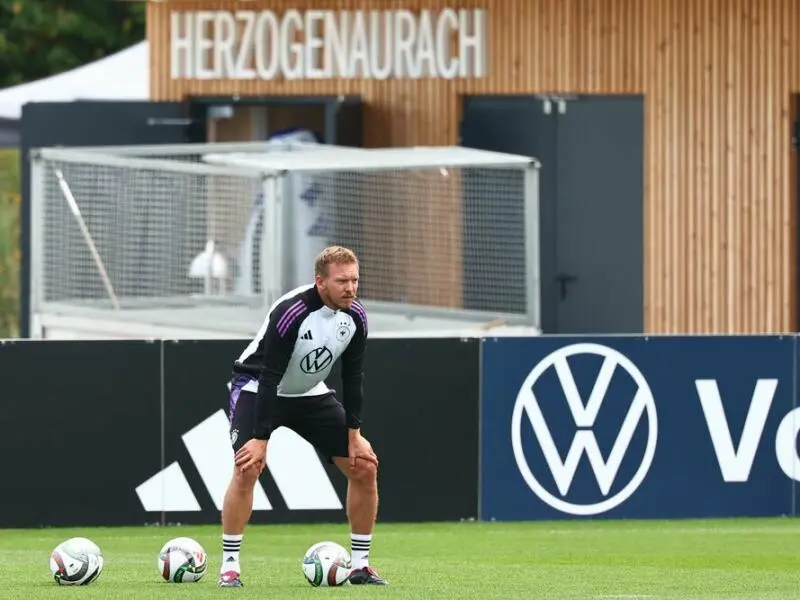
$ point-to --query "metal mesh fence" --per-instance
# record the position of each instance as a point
(172, 230)
(153, 229)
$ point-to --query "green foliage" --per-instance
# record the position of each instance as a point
(39, 38)
(9, 243)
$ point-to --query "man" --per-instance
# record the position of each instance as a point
(279, 379)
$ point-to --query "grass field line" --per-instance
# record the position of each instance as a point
(728, 525)
(767, 530)
(625, 597)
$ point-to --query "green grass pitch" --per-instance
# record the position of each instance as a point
(752, 559)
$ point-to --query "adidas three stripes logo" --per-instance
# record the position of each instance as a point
(209, 447)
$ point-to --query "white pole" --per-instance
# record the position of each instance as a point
(87, 236)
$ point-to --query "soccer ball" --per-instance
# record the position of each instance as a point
(326, 564)
(182, 560)
(76, 561)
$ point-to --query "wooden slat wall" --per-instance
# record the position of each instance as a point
(718, 77)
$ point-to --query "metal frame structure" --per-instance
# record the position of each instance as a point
(264, 163)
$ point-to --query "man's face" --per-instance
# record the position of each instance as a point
(340, 286)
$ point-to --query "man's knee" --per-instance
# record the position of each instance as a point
(365, 472)
(246, 480)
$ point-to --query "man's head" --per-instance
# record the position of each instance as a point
(336, 276)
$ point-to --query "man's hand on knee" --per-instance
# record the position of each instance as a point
(256, 469)
(252, 454)
(360, 448)
(363, 470)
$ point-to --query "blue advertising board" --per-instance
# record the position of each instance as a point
(638, 427)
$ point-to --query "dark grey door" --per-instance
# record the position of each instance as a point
(599, 215)
(591, 204)
(515, 124)
(796, 158)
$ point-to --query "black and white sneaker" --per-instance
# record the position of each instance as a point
(366, 576)
(230, 579)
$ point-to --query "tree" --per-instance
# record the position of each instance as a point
(39, 38)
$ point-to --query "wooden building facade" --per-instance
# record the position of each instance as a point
(718, 78)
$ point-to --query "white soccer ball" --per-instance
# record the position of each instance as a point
(182, 560)
(326, 564)
(76, 561)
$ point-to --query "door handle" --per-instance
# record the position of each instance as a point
(563, 279)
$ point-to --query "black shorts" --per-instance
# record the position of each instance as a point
(320, 420)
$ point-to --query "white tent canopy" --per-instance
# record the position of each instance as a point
(124, 75)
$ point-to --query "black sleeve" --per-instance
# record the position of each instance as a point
(278, 347)
(353, 371)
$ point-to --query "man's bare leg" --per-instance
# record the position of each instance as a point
(362, 495)
(362, 511)
(237, 507)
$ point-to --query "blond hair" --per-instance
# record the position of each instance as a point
(331, 255)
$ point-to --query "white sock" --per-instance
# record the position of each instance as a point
(231, 544)
(359, 552)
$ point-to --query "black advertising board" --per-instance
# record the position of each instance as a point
(421, 401)
(136, 432)
(80, 426)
